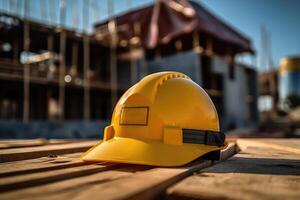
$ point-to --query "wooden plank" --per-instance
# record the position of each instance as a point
(4, 144)
(149, 184)
(144, 184)
(70, 188)
(257, 172)
(36, 172)
(20, 143)
(16, 154)
(287, 142)
(34, 179)
(39, 164)
(290, 145)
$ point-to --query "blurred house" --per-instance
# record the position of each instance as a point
(289, 83)
(51, 73)
(183, 36)
(280, 86)
(279, 98)
(268, 91)
(51, 67)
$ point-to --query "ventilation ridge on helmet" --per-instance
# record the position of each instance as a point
(170, 76)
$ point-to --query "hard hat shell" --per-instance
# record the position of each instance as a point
(156, 121)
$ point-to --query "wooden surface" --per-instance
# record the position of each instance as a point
(44, 169)
(15, 154)
(264, 169)
(26, 173)
(5, 144)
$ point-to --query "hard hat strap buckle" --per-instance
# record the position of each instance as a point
(214, 138)
(206, 137)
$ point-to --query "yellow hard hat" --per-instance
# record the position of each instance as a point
(165, 119)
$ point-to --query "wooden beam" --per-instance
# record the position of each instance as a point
(209, 50)
(62, 73)
(289, 145)
(60, 177)
(48, 176)
(16, 51)
(62, 61)
(19, 143)
(50, 47)
(38, 165)
(26, 73)
(133, 59)
(133, 70)
(86, 63)
(66, 188)
(4, 144)
(257, 172)
(8, 155)
(86, 66)
(74, 67)
(149, 184)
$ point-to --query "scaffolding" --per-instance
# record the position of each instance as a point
(80, 72)
(67, 68)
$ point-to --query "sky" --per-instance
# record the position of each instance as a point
(281, 18)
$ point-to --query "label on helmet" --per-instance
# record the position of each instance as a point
(134, 116)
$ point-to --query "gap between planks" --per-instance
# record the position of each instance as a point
(69, 188)
(150, 184)
(259, 171)
(28, 173)
(145, 184)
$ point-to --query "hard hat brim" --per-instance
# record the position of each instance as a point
(146, 152)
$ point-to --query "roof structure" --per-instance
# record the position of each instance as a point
(166, 20)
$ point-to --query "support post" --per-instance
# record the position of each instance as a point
(113, 58)
(113, 75)
(198, 50)
(86, 63)
(50, 49)
(26, 73)
(133, 63)
(86, 58)
(62, 66)
(133, 69)
(209, 47)
(62, 71)
(74, 66)
(16, 51)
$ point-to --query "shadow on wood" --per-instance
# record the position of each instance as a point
(265, 166)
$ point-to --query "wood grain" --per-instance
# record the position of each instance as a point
(15, 154)
(18, 143)
(39, 164)
(68, 188)
(34, 179)
(257, 172)
(149, 184)
(290, 145)
(122, 182)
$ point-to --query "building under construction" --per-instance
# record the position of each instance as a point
(51, 73)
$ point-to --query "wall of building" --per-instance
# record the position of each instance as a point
(237, 92)
(186, 62)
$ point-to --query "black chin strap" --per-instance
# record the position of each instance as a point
(203, 137)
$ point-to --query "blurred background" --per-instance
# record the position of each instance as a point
(65, 63)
